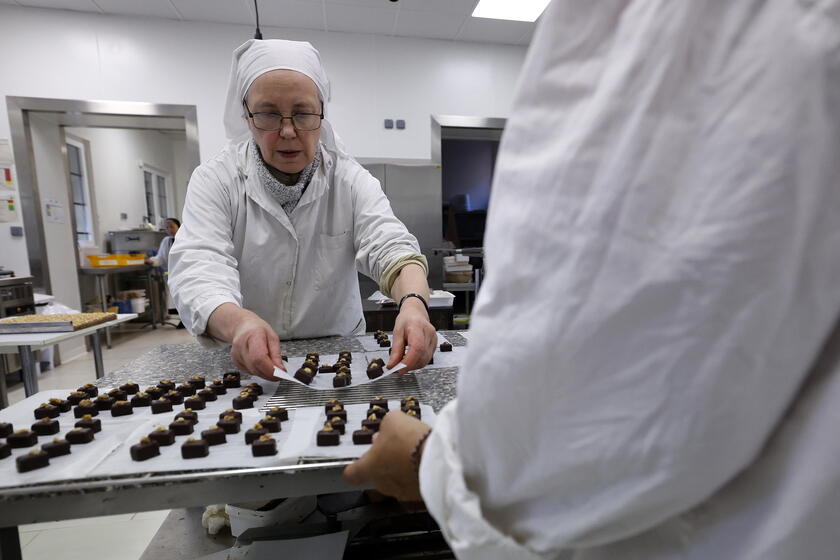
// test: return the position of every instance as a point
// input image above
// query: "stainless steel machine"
(134, 241)
(16, 296)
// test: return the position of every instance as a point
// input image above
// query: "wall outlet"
(123, 216)
(400, 124)
(17, 231)
(389, 123)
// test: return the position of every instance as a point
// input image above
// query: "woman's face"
(170, 227)
(285, 92)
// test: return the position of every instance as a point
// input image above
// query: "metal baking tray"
(394, 386)
(37, 327)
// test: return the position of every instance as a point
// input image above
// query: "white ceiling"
(437, 19)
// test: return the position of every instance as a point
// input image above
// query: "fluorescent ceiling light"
(516, 10)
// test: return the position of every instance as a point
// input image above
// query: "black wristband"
(418, 296)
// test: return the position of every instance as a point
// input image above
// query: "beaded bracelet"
(415, 455)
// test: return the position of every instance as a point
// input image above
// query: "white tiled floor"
(115, 537)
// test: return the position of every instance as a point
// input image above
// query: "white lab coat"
(298, 271)
(161, 259)
(648, 374)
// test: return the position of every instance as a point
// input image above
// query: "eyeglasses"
(274, 121)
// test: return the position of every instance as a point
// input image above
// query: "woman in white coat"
(275, 226)
(668, 386)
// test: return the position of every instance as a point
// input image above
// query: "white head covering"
(254, 58)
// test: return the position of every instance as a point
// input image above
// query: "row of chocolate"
(312, 366)
(262, 444)
(382, 338)
(336, 420)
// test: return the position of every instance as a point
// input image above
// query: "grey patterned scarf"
(287, 195)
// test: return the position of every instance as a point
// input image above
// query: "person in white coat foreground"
(653, 369)
(275, 226)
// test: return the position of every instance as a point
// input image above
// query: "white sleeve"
(455, 507)
(664, 247)
(203, 271)
(380, 239)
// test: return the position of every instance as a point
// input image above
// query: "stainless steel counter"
(115, 495)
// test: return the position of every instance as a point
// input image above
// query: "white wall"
(58, 237)
(71, 55)
(63, 54)
(13, 254)
(182, 173)
(115, 154)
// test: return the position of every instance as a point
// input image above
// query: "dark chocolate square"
(194, 449)
(79, 435)
(35, 459)
(56, 447)
(45, 427)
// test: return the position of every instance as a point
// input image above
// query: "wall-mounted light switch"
(17, 231)
(400, 124)
(389, 123)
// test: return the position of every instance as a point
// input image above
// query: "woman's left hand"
(387, 464)
(413, 329)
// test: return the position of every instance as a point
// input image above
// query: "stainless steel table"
(101, 275)
(24, 345)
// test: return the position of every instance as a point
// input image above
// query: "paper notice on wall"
(8, 204)
(54, 211)
(6, 160)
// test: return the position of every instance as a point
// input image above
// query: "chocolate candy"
(363, 436)
(85, 407)
(374, 370)
(22, 438)
(79, 435)
(154, 392)
(56, 447)
(271, 424)
(207, 395)
(166, 385)
(228, 424)
(5, 450)
(379, 401)
(332, 403)
(337, 411)
(327, 436)
(5, 429)
(230, 381)
(162, 436)
(376, 410)
(214, 435)
(195, 403)
(338, 424)
(189, 415)
(341, 380)
(141, 399)
(197, 381)
(88, 421)
(255, 433)
(45, 427)
(264, 446)
(118, 394)
(104, 402)
(195, 448)
(181, 427)
(175, 397)
(76, 397)
(445, 346)
(371, 423)
(90, 389)
(63, 405)
(278, 412)
(35, 459)
(244, 400)
(144, 450)
(231, 412)
(46, 410)
(122, 408)
(186, 389)
(161, 405)
(305, 375)
(218, 387)
(130, 388)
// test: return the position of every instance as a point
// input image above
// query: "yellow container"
(103, 261)
(131, 259)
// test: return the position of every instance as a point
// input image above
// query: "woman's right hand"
(255, 345)
(256, 348)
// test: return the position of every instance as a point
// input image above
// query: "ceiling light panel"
(520, 10)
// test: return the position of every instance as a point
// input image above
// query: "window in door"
(156, 187)
(81, 192)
